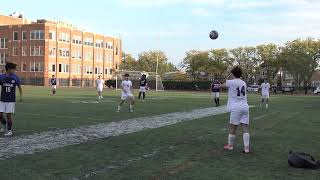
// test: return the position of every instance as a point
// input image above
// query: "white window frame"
(24, 51)
(34, 65)
(39, 50)
(3, 43)
(24, 63)
(3, 58)
(17, 32)
(39, 35)
(24, 37)
(53, 35)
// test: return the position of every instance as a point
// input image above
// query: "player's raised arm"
(224, 85)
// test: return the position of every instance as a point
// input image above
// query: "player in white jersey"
(126, 93)
(99, 84)
(265, 88)
(238, 107)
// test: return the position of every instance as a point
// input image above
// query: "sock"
(131, 106)
(9, 125)
(246, 139)
(215, 100)
(218, 100)
(119, 108)
(267, 105)
(231, 139)
(144, 95)
(139, 95)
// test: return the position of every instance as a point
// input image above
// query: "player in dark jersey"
(8, 82)
(53, 82)
(215, 89)
(143, 87)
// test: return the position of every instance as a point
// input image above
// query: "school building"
(44, 48)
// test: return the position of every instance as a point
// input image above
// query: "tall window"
(37, 35)
(99, 43)
(109, 45)
(76, 40)
(52, 67)
(36, 51)
(24, 51)
(15, 35)
(36, 66)
(76, 54)
(88, 41)
(24, 35)
(24, 67)
(64, 37)
(15, 51)
(88, 69)
(63, 68)
(3, 58)
(3, 43)
(52, 35)
(110, 71)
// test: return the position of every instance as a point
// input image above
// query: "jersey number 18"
(242, 91)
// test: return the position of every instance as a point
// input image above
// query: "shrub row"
(187, 85)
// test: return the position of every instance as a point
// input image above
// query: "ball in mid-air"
(214, 34)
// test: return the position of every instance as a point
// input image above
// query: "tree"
(129, 63)
(300, 58)
(219, 62)
(247, 59)
(269, 58)
(195, 62)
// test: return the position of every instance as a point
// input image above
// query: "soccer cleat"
(142, 100)
(246, 150)
(9, 133)
(228, 147)
(131, 110)
(267, 106)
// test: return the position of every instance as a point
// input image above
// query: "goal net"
(154, 80)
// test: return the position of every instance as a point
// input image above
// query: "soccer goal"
(154, 80)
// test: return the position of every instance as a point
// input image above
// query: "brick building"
(45, 48)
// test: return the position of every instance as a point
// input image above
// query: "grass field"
(186, 150)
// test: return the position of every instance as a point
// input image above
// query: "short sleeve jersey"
(265, 88)
(237, 94)
(99, 83)
(143, 82)
(8, 87)
(215, 86)
(53, 81)
(126, 85)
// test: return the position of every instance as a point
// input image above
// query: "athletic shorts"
(54, 87)
(125, 96)
(7, 107)
(265, 96)
(143, 89)
(99, 89)
(215, 94)
(239, 115)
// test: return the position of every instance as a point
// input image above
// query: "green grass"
(189, 150)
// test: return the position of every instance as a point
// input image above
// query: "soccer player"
(239, 108)
(99, 87)
(8, 82)
(215, 89)
(143, 87)
(126, 93)
(265, 88)
(53, 82)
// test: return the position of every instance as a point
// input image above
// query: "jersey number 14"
(242, 91)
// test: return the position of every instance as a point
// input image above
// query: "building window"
(3, 58)
(3, 43)
(52, 52)
(76, 54)
(64, 37)
(76, 40)
(88, 56)
(24, 35)
(99, 56)
(88, 42)
(63, 52)
(117, 51)
(63, 68)
(24, 51)
(36, 67)
(109, 45)
(110, 71)
(52, 67)
(88, 69)
(52, 35)
(15, 35)
(15, 51)
(36, 51)
(24, 67)
(37, 35)
(106, 71)
(99, 43)
(76, 69)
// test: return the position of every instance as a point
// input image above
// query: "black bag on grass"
(302, 160)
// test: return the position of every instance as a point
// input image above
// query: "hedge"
(187, 85)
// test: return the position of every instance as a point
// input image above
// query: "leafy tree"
(195, 62)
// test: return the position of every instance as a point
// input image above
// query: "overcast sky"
(175, 26)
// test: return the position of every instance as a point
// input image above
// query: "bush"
(187, 85)
(110, 83)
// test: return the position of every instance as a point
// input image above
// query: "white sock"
(231, 139)
(119, 108)
(246, 139)
(131, 106)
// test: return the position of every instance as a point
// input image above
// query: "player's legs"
(245, 129)
(267, 101)
(131, 103)
(54, 87)
(217, 95)
(100, 94)
(235, 116)
(3, 122)
(139, 97)
(143, 96)
(262, 101)
(9, 124)
(214, 98)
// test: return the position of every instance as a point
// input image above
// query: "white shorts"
(124, 96)
(239, 115)
(215, 94)
(99, 89)
(143, 89)
(265, 96)
(54, 87)
(7, 107)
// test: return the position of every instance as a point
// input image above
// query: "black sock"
(9, 125)
(144, 95)
(218, 100)
(215, 100)
(139, 95)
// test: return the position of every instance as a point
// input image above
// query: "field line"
(49, 140)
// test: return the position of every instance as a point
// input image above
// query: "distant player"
(215, 89)
(239, 108)
(143, 87)
(8, 82)
(265, 88)
(126, 93)
(100, 87)
(53, 82)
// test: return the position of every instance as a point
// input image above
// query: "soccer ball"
(214, 34)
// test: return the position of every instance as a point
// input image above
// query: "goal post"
(154, 80)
